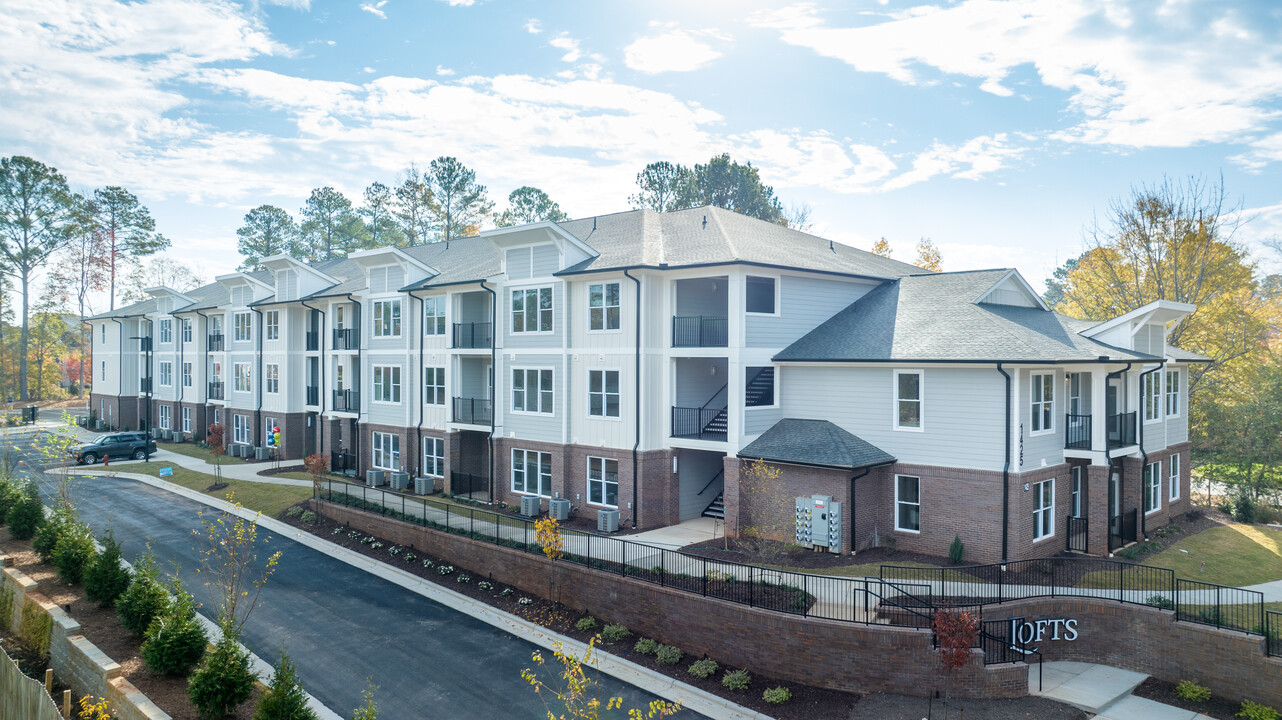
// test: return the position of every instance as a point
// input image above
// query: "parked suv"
(117, 445)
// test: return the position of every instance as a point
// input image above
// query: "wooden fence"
(22, 697)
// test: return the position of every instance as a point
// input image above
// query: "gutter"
(360, 376)
(1143, 452)
(727, 264)
(422, 330)
(320, 390)
(207, 380)
(120, 365)
(1006, 469)
(1108, 455)
(258, 411)
(494, 401)
(636, 400)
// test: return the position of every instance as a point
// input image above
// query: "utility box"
(819, 522)
(530, 505)
(607, 521)
(559, 509)
(375, 478)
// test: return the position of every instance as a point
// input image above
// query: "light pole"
(146, 437)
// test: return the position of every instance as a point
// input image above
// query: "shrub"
(144, 599)
(284, 698)
(27, 513)
(736, 680)
(10, 494)
(1268, 515)
(74, 553)
(668, 655)
(1256, 711)
(1225, 506)
(586, 624)
(1195, 513)
(646, 646)
(48, 533)
(1244, 509)
(615, 633)
(703, 669)
(106, 578)
(777, 695)
(223, 680)
(1160, 601)
(954, 557)
(1190, 690)
(308, 518)
(294, 511)
(175, 640)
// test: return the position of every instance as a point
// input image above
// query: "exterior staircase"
(760, 388)
(718, 425)
(716, 509)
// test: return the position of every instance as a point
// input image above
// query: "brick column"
(730, 488)
(1097, 509)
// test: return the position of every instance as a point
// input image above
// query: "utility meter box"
(819, 522)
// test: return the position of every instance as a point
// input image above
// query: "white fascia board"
(1164, 311)
(503, 237)
(1028, 289)
(285, 262)
(366, 258)
(161, 290)
(231, 279)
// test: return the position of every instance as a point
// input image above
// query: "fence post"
(1218, 611)
(805, 588)
(752, 590)
(1120, 575)
(403, 514)
(623, 570)
(705, 579)
(447, 518)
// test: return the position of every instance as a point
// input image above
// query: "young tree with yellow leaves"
(881, 247)
(572, 688)
(928, 257)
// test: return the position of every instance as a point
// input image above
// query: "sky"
(999, 129)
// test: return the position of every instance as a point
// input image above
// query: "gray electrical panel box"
(819, 522)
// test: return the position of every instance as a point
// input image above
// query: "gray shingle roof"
(467, 259)
(935, 317)
(817, 443)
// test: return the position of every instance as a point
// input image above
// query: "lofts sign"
(1024, 633)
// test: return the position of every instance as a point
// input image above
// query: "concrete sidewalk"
(1103, 691)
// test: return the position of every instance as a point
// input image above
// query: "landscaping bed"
(899, 707)
(1164, 692)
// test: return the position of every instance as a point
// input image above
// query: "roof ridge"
(734, 251)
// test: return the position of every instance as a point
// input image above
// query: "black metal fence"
(470, 484)
(473, 335)
(346, 339)
(214, 342)
(1122, 529)
(216, 390)
(699, 331)
(1219, 606)
(313, 340)
(347, 401)
(474, 411)
(341, 462)
(1077, 432)
(691, 422)
(1076, 534)
(1273, 632)
(1121, 430)
(313, 395)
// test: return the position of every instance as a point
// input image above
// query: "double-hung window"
(271, 377)
(1043, 509)
(244, 377)
(166, 331)
(217, 372)
(166, 373)
(603, 481)
(532, 310)
(434, 386)
(1151, 389)
(186, 374)
(907, 503)
(241, 325)
(387, 383)
(186, 330)
(186, 419)
(1152, 486)
(908, 399)
(434, 316)
(165, 417)
(1172, 393)
(240, 429)
(1077, 491)
(1043, 402)
(603, 393)
(271, 324)
(760, 295)
(387, 450)
(532, 472)
(387, 318)
(433, 457)
(532, 390)
(603, 306)
(104, 333)
(1173, 481)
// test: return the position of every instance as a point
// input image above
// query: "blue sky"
(998, 129)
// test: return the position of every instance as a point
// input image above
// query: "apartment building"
(638, 361)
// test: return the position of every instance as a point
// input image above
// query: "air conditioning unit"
(400, 481)
(607, 521)
(559, 509)
(530, 505)
(263, 453)
(424, 485)
(375, 478)
(234, 450)
(167, 434)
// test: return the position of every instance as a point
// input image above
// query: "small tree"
(955, 633)
(769, 514)
(573, 689)
(547, 533)
(74, 552)
(368, 711)
(175, 640)
(284, 698)
(230, 565)
(214, 438)
(145, 597)
(26, 515)
(107, 578)
(224, 680)
(928, 256)
(317, 465)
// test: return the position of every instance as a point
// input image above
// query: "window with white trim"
(1073, 383)
(532, 390)
(759, 295)
(165, 417)
(603, 393)
(1044, 509)
(603, 481)
(166, 373)
(433, 457)
(1172, 393)
(166, 331)
(218, 372)
(532, 472)
(1043, 402)
(244, 377)
(187, 374)
(1151, 391)
(240, 429)
(186, 330)
(216, 416)
(387, 450)
(271, 324)
(908, 399)
(434, 386)
(1173, 481)
(1152, 486)
(387, 318)
(532, 310)
(603, 306)
(186, 419)
(387, 383)
(104, 333)
(1077, 491)
(434, 316)
(907, 503)
(242, 324)
(271, 378)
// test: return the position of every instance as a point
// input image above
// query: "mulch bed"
(807, 702)
(102, 628)
(1164, 692)
(898, 707)
(283, 469)
(776, 553)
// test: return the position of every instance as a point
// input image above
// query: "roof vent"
(705, 222)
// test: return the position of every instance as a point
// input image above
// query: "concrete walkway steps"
(1103, 691)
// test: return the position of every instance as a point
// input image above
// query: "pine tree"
(175, 640)
(284, 698)
(107, 579)
(224, 680)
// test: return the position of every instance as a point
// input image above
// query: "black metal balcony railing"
(347, 401)
(144, 344)
(699, 331)
(342, 462)
(702, 423)
(216, 391)
(1077, 432)
(144, 385)
(1121, 430)
(346, 339)
(313, 340)
(1077, 533)
(473, 335)
(474, 411)
(313, 395)
(215, 343)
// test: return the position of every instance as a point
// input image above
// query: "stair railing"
(710, 482)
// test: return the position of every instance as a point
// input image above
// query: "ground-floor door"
(309, 436)
(700, 477)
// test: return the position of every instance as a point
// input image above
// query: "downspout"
(258, 411)
(422, 330)
(1108, 455)
(494, 402)
(206, 374)
(181, 387)
(320, 380)
(120, 366)
(636, 399)
(360, 376)
(1143, 453)
(1006, 469)
(854, 508)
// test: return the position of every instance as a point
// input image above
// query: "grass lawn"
(195, 451)
(270, 500)
(1226, 555)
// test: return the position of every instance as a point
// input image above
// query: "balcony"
(473, 411)
(144, 344)
(216, 391)
(1121, 430)
(699, 423)
(1077, 432)
(313, 340)
(347, 339)
(144, 385)
(313, 395)
(215, 342)
(699, 331)
(347, 401)
(473, 335)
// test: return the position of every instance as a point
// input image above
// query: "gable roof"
(816, 443)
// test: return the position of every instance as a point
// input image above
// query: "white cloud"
(533, 26)
(443, 71)
(368, 70)
(969, 161)
(569, 45)
(375, 9)
(460, 3)
(673, 50)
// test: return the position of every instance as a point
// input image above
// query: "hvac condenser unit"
(375, 478)
(819, 522)
(262, 453)
(559, 509)
(424, 485)
(400, 480)
(530, 505)
(607, 521)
